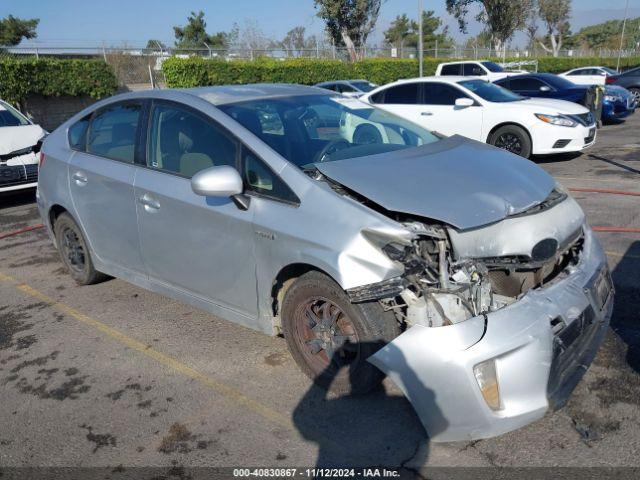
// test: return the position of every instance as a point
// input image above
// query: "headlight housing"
(487, 379)
(559, 120)
(612, 98)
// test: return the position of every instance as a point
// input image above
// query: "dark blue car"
(615, 105)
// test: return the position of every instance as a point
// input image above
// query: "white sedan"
(589, 75)
(486, 112)
(19, 146)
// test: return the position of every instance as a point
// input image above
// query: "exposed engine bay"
(440, 288)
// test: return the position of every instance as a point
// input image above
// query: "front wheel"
(331, 338)
(512, 139)
(636, 93)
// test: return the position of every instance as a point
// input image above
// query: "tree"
(194, 34)
(13, 30)
(555, 15)
(404, 32)
(531, 26)
(294, 41)
(154, 45)
(501, 17)
(349, 22)
(605, 35)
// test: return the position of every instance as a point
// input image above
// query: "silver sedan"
(464, 273)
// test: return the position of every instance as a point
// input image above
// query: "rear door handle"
(149, 202)
(426, 114)
(79, 178)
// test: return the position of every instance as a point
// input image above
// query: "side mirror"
(464, 102)
(222, 181)
(544, 88)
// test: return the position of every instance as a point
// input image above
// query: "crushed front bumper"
(541, 345)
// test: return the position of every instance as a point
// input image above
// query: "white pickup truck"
(484, 69)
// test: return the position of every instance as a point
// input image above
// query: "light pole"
(624, 24)
(420, 39)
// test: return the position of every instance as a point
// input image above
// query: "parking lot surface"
(111, 375)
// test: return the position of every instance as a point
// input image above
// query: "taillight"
(609, 80)
(41, 160)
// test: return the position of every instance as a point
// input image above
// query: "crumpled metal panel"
(458, 181)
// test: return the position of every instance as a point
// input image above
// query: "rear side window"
(112, 132)
(526, 84)
(450, 69)
(184, 142)
(78, 134)
(406, 93)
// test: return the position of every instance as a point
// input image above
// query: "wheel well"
(54, 212)
(505, 124)
(283, 281)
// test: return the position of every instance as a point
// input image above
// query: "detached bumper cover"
(542, 345)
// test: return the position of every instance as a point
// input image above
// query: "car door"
(101, 177)
(440, 113)
(402, 99)
(201, 246)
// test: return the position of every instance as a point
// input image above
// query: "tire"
(366, 328)
(636, 93)
(513, 139)
(74, 252)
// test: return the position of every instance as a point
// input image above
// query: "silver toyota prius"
(375, 247)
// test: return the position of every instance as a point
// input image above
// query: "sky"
(91, 22)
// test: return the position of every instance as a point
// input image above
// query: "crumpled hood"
(457, 181)
(17, 138)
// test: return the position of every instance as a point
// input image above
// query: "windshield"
(490, 91)
(363, 86)
(307, 129)
(493, 67)
(10, 117)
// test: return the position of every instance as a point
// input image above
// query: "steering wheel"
(330, 148)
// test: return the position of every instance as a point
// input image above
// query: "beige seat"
(192, 162)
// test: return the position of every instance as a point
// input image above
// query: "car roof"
(340, 82)
(225, 94)
(435, 78)
(464, 61)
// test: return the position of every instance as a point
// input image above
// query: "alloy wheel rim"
(325, 335)
(509, 142)
(73, 249)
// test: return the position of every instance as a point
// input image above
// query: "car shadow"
(614, 163)
(555, 158)
(624, 321)
(17, 198)
(376, 429)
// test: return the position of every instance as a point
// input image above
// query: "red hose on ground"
(23, 230)
(605, 190)
(616, 229)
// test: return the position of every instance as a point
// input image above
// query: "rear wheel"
(513, 139)
(330, 338)
(74, 252)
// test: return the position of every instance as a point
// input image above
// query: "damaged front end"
(483, 311)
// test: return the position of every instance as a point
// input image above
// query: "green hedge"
(52, 78)
(197, 71)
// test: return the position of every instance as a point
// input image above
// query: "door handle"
(149, 202)
(426, 114)
(79, 178)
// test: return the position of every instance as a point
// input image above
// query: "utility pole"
(420, 38)
(624, 24)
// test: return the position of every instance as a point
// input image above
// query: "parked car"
(349, 88)
(629, 80)
(483, 69)
(589, 75)
(465, 273)
(618, 103)
(19, 145)
(548, 85)
(486, 112)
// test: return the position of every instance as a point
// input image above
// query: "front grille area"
(13, 175)
(585, 119)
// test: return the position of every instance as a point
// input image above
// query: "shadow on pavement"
(376, 429)
(626, 310)
(18, 198)
(558, 157)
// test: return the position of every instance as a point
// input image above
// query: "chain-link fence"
(139, 68)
